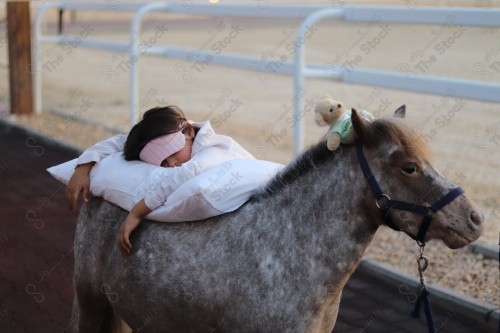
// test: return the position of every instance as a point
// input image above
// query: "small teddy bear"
(329, 112)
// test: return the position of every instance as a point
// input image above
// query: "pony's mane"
(397, 131)
(391, 128)
(314, 156)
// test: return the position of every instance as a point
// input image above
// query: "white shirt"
(209, 149)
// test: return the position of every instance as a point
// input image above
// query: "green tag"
(343, 127)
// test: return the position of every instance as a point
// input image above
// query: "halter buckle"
(429, 212)
(385, 198)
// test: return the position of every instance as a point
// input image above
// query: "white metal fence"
(298, 68)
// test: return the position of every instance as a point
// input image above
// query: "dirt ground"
(92, 87)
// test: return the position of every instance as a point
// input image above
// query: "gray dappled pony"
(277, 264)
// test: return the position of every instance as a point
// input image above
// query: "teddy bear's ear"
(361, 127)
(400, 112)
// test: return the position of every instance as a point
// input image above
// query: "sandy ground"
(256, 109)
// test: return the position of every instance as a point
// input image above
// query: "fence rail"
(298, 68)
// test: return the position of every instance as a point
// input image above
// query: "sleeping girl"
(163, 138)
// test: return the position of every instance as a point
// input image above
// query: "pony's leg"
(75, 315)
(329, 315)
(114, 324)
(120, 325)
(94, 312)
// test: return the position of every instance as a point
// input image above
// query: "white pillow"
(220, 189)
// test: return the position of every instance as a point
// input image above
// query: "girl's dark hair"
(155, 122)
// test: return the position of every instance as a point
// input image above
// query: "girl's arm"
(79, 181)
(164, 181)
(131, 222)
(103, 148)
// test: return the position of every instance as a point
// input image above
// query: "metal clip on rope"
(423, 263)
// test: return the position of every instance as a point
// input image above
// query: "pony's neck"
(324, 214)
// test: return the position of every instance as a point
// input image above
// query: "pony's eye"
(409, 169)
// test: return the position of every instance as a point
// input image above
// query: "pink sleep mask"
(162, 147)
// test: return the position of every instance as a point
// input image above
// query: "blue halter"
(385, 204)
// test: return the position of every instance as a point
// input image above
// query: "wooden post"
(19, 36)
(60, 28)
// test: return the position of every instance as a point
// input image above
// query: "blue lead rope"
(423, 262)
(424, 293)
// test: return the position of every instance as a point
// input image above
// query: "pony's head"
(400, 161)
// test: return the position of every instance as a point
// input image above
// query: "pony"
(278, 263)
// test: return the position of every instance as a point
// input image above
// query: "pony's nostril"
(476, 217)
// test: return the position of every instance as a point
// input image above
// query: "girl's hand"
(79, 182)
(130, 223)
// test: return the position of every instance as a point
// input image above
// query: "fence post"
(20, 75)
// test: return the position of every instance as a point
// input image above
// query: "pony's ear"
(361, 126)
(400, 112)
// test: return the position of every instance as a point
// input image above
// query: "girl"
(164, 138)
